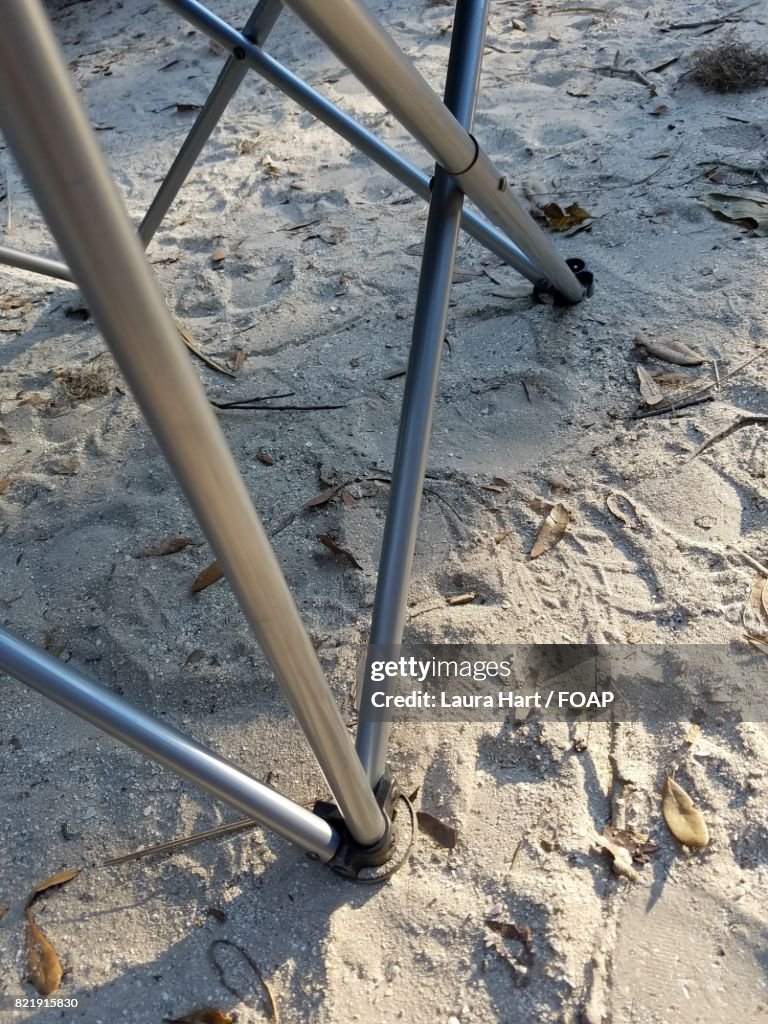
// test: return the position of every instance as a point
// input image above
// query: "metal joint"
(543, 288)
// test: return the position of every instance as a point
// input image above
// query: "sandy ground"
(537, 396)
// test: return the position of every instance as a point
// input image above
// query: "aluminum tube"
(101, 707)
(257, 28)
(48, 132)
(421, 381)
(363, 140)
(349, 29)
(37, 264)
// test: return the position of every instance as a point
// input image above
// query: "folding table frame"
(47, 130)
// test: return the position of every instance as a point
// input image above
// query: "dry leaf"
(186, 108)
(685, 823)
(171, 546)
(457, 599)
(34, 400)
(43, 964)
(560, 220)
(518, 25)
(621, 507)
(399, 372)
(670, 350)
(218, 255)
(236, 360)
(443, 834)
(498, 484)
(638, 844)
(206, 1015)
(66, 467)
(661, 109)
(5, 437)
(5, 483)
(509, 930)
(764, 598)
(323, 497)
(552, 530)
(622, 858)
(460, 275)
(211, 574)
(693, 734)
(189, 341)
(264, 457)
(750, 209)
(650, 391)
(347, 498)
(502, 535)
(758, 598)
(331, 544)
(60, 878)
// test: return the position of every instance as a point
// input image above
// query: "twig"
(745, 421)
(257, 405)
(693, 398)
(658, 410)
(177, 844)
(749, 560)
(633, 73)
(709, 21)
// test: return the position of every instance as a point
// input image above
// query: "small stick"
(177, 844)
(749, 560)
(690, 400)
(745, 421)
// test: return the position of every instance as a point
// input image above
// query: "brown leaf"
(43, 964)
(186, 108)
(685, 822)
(764, 598)
(5, 483)
(206, 1015)
(622, 858)
(498, 485)
(170, 546)
(693, 734)
(561, 220)
(5, 437)
(552, 530)
(457, 599)
(509, 930)
(661, 109)
(236, 360)
(649, 390)
(348, 498)
(264, 457)
(211, 574)
(638, 844)
(393, 374)
(60, 878)
(189, 341)
(502, 535)
(757, 596)
(331, 544)
(34, 400)
(323, 497)
(443, 834)
(670, 350)
(218, 255)
(621, 507)
(460, 275)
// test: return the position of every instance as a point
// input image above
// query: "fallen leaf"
(460, 275)
(457, 599)
(5, 437)
(236, 360)
(347, 498)
(211, 574)
(661, 109)
(509, 930)
(34, 400)
(170, 546)
(331, 544)
(270, 168)
(621, 507)
(670, 350)
(638, 844)
(206, 1015)
(750, 209)
(323, 497)
(502, 535)
(218, 255)
(693, 734)
(764, 598)
(560, 220)
(673, 380)
(185, 108)
(65, 467)
(685, 822)
(264, 458)
(650, 391)
(621, 857)
(552, 530)
(60, 878)
(189, 341)
(518, 25)
(444, 835)
(44, 969)
(399, 372)
(498, 485)
(5, 483)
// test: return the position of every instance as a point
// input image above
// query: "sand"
(540, 397)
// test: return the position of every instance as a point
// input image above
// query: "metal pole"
(363, 140)
(421, 382)
(257, 29)
(49, 134)
(191, 760)
(349, 29)
(37, 264)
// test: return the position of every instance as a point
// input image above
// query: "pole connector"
(545, 288)
(371, 863)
